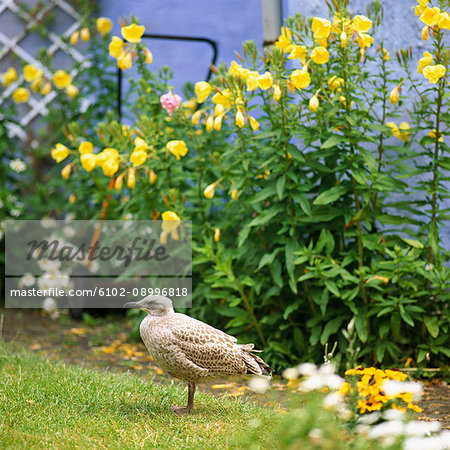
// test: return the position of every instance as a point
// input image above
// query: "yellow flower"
(85, 34)
(430, 16)
(320, 55)
(74, 37)
(71, 90)
(209, 191)
(364, 40)
(240, 119)
(386, 55)
(196, 117)
(314, 103)
(420, 7)
(115, 47)
(47, 88)
(124, 61)
(401, 132)
(163, 237)
(394, 96)
(72, 198)
(253, 123)
(216, 234)
(209, 124)
(65, 173)
(276, 92)
(335, 83)
(425, 32)
(284, 41)
(298, 51)
(133, 33)
(218, 123)
(177, 148)
(300, 78)
(60, 152)
(170, 221)
(361, 24)
(21, 95)
(265, 81)
(222, 98)
(61, 79)
(140, 144)
(31, 73)
(88, 161)
(343, 39)
(251, 82)
(152, 177)
(138, 157)
(434, 73)
(104, 25)
(86, 147)
(131, 179)
(148, 56)
(321, 28)
(444, 21)
(219, 110)
(36, 85)
(432, 134)
(202, 90)
(118, 184)
(9, 76)
(424, 62)
(234, 194)
(110, 167)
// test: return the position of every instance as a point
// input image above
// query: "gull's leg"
(183, 411)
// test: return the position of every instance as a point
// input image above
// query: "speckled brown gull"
(191, 350)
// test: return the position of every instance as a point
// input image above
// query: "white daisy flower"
(17, 165)
(27, 280)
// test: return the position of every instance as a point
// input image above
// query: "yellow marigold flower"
(209, 191)
(320, 55)
(133, 33)
(364, 40)
(71, 90)
(85, 34)
(335, 83)
(434, 73)
(300, 78)
(298, 51)
(251, 81)
(86, 147)
(47, 88)
(152, 177)
(196, 117)
(31, 73)
(202, 90)
(148, 56)
(209, 124)
(276, 92)
(72, 198)
(216, 234)
(115, 46)
(265, 81)
(430, 16)
(170, 221)
(284, 41)
(361, 24)
(240, 119)
(110, 167)
(61, 79)
(222, 98)
(394, 96)
(234, 194)
(425, 32)
(218, 123)
(124, 61)
(131, 178)
(65, 173)
(177, 148)
(343, 39)
(118, 184)
(321, 28)
(424, 62)
(9, 76)
(74, 37)
(21, 95)
(140, 144)
(432, 134)
(444, 21)
(313, 103)
(138, 157)
(104, 25)
(88, 161)
(253, 123)
(59, 152)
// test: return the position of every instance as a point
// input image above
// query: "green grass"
(50, 404)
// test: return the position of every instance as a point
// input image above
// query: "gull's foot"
(181, 410)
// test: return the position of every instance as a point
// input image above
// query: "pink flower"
(170, 102)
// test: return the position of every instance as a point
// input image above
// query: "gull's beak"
(131, 305)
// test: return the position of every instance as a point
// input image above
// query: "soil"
(104, 343)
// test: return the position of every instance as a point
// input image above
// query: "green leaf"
(361, 327)
(412, 242)
(330, 195)
(431, 324)
(332, 141)
(303, 201)
(280, 186)
(268, 258)
(330, 328)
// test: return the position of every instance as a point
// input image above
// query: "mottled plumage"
(191, 350)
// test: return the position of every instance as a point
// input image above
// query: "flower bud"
(240, 120)
(209, 191)
(209, 123)
(196, 117)
(163, 238)
(253, 123)
(276, 92)
(218, 123)
(234, 194)
(65, 173)
(85, 34)
(152, 177)
(118, 183)
(394, 96)
(74, 37)
(216, 234)
(131, 180)
(313, 103)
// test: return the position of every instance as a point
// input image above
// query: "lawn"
(51, 404)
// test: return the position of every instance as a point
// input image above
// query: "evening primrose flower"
(222, 98)
(85, 147)
(9, 76)
(425, 32)
(320, 55)
(110, 167)
(335, 83)
(361, 24)
(171, 221)
(434, 73)
(85, 34)
(314, 103)
(131, 178)
(394, 96)
(300, 78)
(138, 157)
(31, 73)
(177, 148)
(424, 62)
(115, 47)
(88, 161)
(202, 90)
(364, 40)
(418, 10)
(104, 25)
(444, 21)
(133, 33)
(21, 95)
(265, 81)
(71, 90)
(298, 51)
(61, 79)
(59, 152)
(251, 82)
(124, 61)
(209, 191)
(240, 119)
(321, 28)
(253, 123)
(209, 124)
(432, 134)
(284, 41)
(430, 16)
